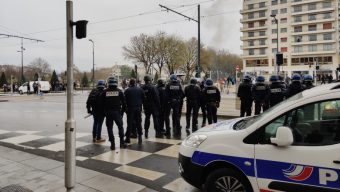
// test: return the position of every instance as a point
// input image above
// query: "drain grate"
(14, 188)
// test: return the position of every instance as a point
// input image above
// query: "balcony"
(318, 30)
(317, 20)
(312, 42)
(317, 10)
(316, 52)
(243, 38)
(243, 20)
(294, 3)
(256, 27)
(255, 9)
(256, 46)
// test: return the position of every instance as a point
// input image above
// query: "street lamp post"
(92, 61)
(22, 49)
(277, 41)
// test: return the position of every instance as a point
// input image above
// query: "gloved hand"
(89, 111)
(217, 104)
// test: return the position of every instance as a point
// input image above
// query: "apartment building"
(307, 33)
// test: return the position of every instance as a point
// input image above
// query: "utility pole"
(92, 61)
(198, 21)
(22, 49)
(70, 124)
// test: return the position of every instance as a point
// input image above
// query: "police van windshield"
(244, 123)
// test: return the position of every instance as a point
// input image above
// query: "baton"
(88, 115)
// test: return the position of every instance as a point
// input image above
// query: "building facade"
(306, 32)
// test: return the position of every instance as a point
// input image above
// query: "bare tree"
(174, 54)
(189, 58)
(40, 66)
(142, 49)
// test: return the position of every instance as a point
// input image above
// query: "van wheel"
(226, 180)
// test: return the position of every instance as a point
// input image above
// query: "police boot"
(159, 134)
(140, 139)
(167, 133)
(113, 146)
(127, 140)
(123, 145)
(146, 134)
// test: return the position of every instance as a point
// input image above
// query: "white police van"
(294, 146)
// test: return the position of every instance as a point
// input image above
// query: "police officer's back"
(174, 94)
(193, 94)
(134, 97)
(114, 102)
(211, 98)
(151, 106)
(277, 91)
(260, 93)
(295, 86)
(163, 103)
(244, 93)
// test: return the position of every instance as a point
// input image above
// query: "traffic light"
(81, 29)
(317, 67)
(279, 58)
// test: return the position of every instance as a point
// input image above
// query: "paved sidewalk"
(34, 173)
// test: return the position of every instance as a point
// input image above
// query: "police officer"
(95, 106)
(295, 86)
(134, 100)
(114, 103)
(211, 98)
(174, 94)
(307, 82)
(202, 105)
(277, 91)
(151, 107)
(244, 93)
(163, 103)
(282, 82)
(260, 92)
(192, 93)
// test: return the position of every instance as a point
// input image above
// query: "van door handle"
(336, 161)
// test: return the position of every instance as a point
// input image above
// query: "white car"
(44, 87)
(294, 146)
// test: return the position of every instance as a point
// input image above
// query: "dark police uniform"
(202, 105)
(294, 88)
(151, 107)
(260, 93)
(174, 94)
(211, 98)
(134, 100)
(163, 105)
(95, 106)
(277, 93)
(244, 93)
(114, 103)
(192, 93)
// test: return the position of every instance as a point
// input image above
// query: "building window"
(298, 29)
(327, 4)
(262, 23)
(274, 2)
(298, 49)
(262, 14)
(251, 51)
(274, 40)
(312, 37)
(284, 10)
(262, 4)
(251, 43)
(283, 1)
(311, 27)
(298, 39)
(274, 31)
(297, 19)
(274, 12)
(250, 15)
(312, 17)
(284, 49)
(262, 33)
(312, 48)
(251, 6)
(327, 47)
(297, 9)
(262, 41)
(311, 6)
(251, 25)
(274, 50)
(283, 20)
(262, 51)
(327, 15)
(283, 30)
(327, 36)
(250, 34)
(284, 39)
(327, 26)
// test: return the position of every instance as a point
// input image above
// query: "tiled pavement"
(152, 164)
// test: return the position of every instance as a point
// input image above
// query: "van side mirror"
(284, 137)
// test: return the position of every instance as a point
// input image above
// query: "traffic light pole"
(70, 124)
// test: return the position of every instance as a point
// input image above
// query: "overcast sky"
(45, 20)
